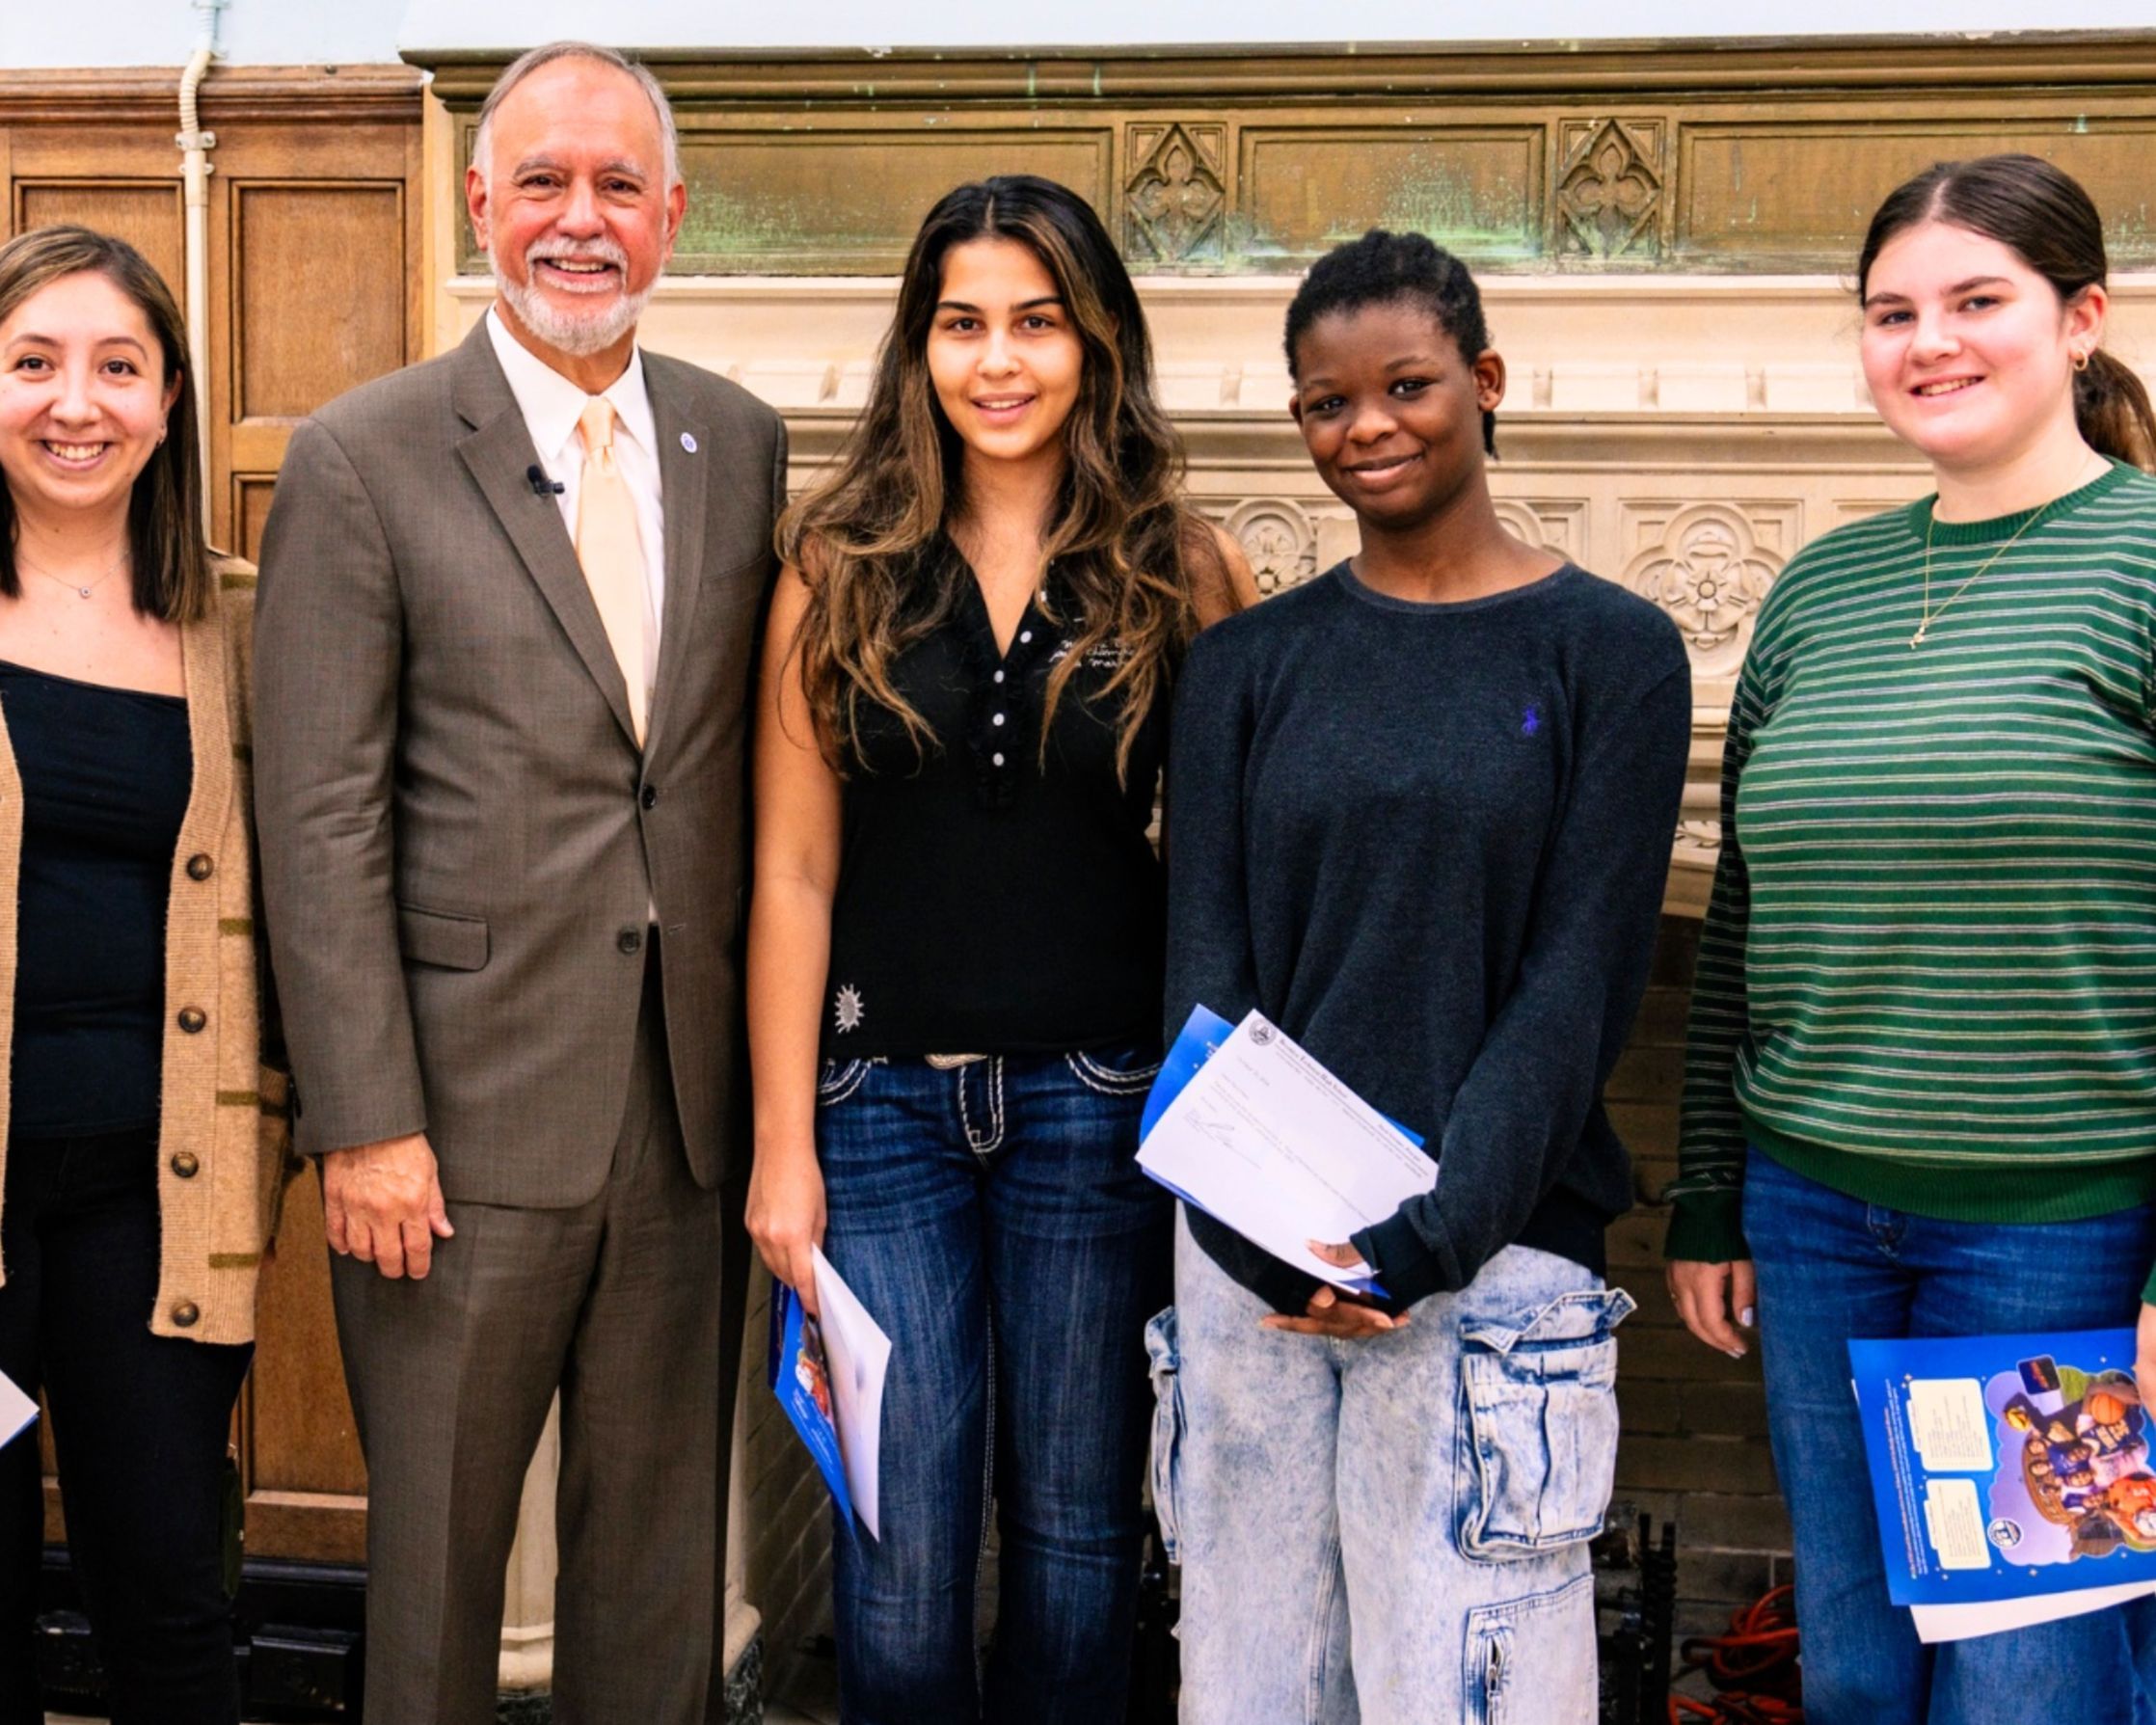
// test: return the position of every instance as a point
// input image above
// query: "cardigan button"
(192, 1019)
(200, 866)
(186, 1164)
(630, 941)
(187, 1314)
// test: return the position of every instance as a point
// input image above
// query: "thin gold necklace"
(76, 587)
(1927, 616)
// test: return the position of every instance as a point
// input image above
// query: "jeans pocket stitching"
(846, 1078)
(1106, 1080)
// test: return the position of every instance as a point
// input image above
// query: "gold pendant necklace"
(1927, 616)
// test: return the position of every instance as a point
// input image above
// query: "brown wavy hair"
(165, 540)
(1126, 545)
(2039, 213)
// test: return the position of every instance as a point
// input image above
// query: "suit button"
(187, 1314)
(630, 941)
(192, 1019)
(200, 866)
(185, 1165)
(650, 797)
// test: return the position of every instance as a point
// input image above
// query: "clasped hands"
(382, 1204)
(1334, 1311)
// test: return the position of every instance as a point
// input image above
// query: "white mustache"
(601, 251)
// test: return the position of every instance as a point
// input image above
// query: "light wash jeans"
(1390, 1529)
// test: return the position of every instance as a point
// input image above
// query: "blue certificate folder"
(2007, 1466)
(1204, 1032)
(801, 1380)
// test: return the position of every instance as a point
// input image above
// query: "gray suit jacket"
(461, 841)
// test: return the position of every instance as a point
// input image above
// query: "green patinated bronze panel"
(1740, 159)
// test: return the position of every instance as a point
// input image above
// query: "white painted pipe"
(195, 145)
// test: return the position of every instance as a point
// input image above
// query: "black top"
(1430, 843)
(106, 774)
(990, 903)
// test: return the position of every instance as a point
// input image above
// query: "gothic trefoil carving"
(1609, 190)
(1176, 201)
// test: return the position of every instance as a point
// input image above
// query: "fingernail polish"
(1747, 1317)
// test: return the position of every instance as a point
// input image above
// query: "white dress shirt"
(551, 405)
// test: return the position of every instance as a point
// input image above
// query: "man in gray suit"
(508, 609)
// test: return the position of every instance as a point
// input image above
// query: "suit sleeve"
(329, 634)
(1517, 1118)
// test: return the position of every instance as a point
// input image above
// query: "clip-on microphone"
(541, 485)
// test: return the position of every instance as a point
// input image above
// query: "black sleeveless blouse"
(990, 901)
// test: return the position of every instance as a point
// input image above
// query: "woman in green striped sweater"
(1921, 1086)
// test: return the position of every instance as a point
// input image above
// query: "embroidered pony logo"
(1530, 721)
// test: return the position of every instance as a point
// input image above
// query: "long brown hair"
(170, 556)
(2039, 213)
(1126, 545)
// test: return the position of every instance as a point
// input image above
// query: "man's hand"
(1334, 1311)
(786, 1216)
(1707, 1296)
(2145, 1355)
(382, 1204)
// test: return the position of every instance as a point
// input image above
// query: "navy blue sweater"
(1430, 843)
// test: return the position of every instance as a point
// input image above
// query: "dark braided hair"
(1384, 269)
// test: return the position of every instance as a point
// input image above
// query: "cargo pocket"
(1555, 1631)
(1540, 1432)
(1167, 1428)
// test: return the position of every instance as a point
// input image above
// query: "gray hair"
(545, 54)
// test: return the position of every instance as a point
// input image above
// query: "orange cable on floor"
(1753, 1669)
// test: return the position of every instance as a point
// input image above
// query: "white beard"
(569, 332)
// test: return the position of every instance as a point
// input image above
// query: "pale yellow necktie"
(609, 548)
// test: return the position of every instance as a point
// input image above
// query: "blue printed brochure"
(828, 1375)
(801, 1380)
(2011, 1476)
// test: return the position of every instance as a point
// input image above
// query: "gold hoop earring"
(2081, 361)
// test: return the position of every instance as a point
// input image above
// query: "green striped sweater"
(1928, 976)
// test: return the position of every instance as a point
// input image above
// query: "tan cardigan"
(223, 1145)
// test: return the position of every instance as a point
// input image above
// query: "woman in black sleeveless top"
(954, 948)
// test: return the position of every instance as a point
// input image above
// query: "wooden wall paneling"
(317, 271)
(299, 1443)
(149, 215)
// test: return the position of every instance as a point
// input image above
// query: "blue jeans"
(1831, 1268)
(993, 1220)
(1390, 1530)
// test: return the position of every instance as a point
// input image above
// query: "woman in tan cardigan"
(141, 1140)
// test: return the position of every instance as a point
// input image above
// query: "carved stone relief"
(1610, 189)
(1175, 200)
(1710, 565)
(1556, 524)
(1279, 539)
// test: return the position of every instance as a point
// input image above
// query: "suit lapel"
(499, 453)
(684, 457)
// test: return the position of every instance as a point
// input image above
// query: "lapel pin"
(689, 442)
